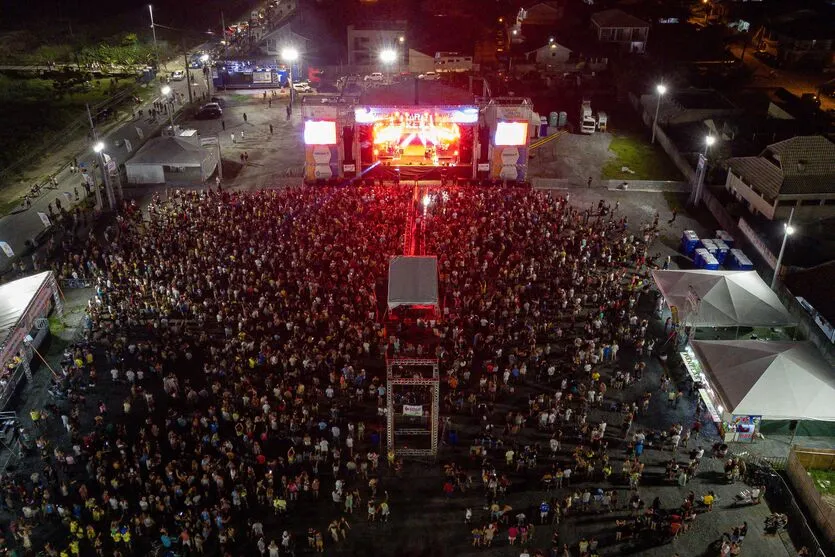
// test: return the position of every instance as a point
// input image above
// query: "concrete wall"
(672, 151)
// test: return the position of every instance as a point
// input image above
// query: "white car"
(178, 75)
(302, 87)
(375, 76)
(429, 76)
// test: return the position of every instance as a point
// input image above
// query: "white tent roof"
(413, 281)
(15, 297)
(170, 150)
(775, 380)
(728, 298)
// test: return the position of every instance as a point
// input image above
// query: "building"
(366, 41)
(797, 172)
(617, 26)
(544, 13)
(551, 57)
(420, 63)
(801, 39)
(285, 36)
(453, 62)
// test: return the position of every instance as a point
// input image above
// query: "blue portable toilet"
(722, 250)
(689, 242)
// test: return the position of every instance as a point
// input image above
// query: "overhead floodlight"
(710, 140)
(98, 147)
(166, 90)
(388, 56)
(661, 88)
(289, 54)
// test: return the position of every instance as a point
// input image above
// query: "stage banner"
(412, 410)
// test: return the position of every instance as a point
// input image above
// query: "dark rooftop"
(427, 93)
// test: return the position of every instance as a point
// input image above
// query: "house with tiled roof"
(797, 172)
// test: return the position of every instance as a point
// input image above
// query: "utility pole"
(95, 140)
(154, 32)
(188, 77)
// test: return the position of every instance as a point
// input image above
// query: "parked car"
(209, 111)
(375, 76)
(429, 76)
(302, 87)
(178, 75)
(218, 101)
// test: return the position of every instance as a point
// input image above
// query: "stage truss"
(417, 375)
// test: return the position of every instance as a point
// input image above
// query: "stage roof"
(727, 298)
(413, 281)
(15, 297)
(775, 380)
(416, 92)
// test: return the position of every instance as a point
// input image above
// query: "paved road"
(25, 224)
(793, 81)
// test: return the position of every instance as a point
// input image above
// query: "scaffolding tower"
(412, 421)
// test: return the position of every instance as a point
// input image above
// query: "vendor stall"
(746, 381)
(24, 305)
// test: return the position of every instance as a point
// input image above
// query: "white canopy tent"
(775, 380)
(413, 281)
(722, 298)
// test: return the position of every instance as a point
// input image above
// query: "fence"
(780, 499)
(822, 513)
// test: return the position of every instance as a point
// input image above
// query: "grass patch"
(648, 162)
(56, 325)
(824, 480)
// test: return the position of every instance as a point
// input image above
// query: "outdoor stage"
(417, 130)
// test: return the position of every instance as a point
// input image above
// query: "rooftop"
(617, 18)
(803, 164)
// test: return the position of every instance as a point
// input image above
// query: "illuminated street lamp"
(169, 103)
(788, 231)
(290, 55)
(660, 89)
(402, 39)
(98, 148)
(709, 141)
(388, 56)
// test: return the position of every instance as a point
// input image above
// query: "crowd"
(242, 339)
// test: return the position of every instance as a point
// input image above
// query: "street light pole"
(788, 232)
(660, 89)
(166, 91)
(290, 55)
(99, 149)
(154, 32)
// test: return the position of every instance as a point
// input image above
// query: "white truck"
(588, 124)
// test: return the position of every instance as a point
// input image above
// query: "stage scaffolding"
(412, 372)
